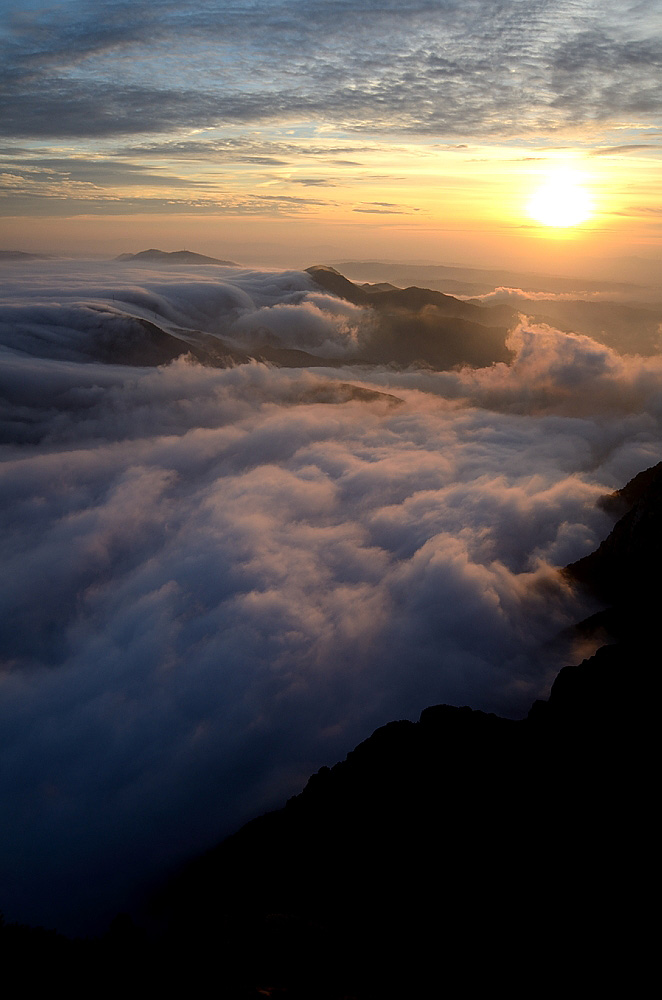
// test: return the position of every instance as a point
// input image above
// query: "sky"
(297, 131)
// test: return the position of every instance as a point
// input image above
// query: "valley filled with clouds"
(223, 570)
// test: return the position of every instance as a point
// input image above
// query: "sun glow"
(561, 201)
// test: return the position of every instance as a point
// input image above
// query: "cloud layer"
(217, 580)
(440, 68)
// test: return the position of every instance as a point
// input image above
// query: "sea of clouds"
(218, 579)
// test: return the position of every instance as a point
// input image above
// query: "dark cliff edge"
(460, 853)
(624, 571)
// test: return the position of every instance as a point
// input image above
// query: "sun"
(561, 201)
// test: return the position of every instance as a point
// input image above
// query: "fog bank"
(218, 579)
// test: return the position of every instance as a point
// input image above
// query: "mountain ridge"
(153, 256)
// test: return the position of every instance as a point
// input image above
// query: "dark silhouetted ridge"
(624, 571)
(333, 281)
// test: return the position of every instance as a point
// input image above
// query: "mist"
(219, 577)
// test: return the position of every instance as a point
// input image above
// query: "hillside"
(414, 326)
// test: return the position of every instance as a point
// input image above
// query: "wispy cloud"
(632, 147)
(380, 211)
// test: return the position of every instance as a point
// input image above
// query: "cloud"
(446, 69)
(632, 328)
(311, 181)
(238, 148)
(152, 322)
(216, 580)
(504, 293)
(264, 84)
(619, 150)
(381, 211)
(321, 325)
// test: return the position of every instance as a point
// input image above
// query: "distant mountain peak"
(22, 255)
(174, 257)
